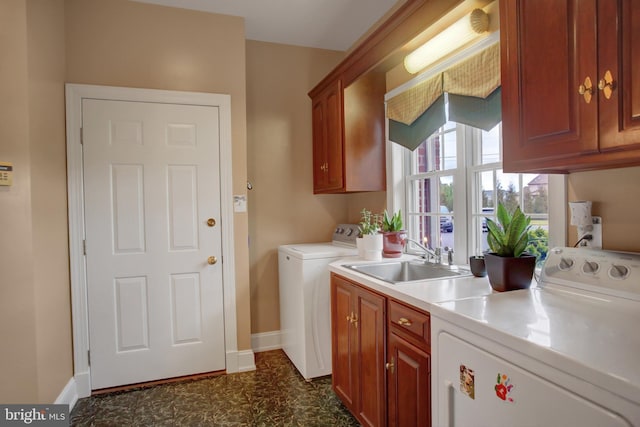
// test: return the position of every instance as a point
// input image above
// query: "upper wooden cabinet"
(348, 136)
(561, 112)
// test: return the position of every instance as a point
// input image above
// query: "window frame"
(399, 165)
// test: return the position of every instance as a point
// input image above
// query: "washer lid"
(318, 250)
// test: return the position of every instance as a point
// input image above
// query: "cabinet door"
(371, 344)
(335, 137)
(409, 379)
(318, 108)
(548, 51)
(619, 55)
(328, 137)
(343, 342)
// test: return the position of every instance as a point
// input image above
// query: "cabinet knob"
(390, 365)
(586, 89)
(353, 319)
(606, 84)
(404, 321)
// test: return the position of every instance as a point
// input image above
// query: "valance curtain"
(474, 97)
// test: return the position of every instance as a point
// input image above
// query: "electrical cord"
(587, 237)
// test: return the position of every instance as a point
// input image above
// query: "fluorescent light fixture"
(462, 32)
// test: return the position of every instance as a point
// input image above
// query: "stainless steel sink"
(408, 271)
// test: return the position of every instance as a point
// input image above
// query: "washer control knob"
(618, 271)
(590, 267)
(565, 264)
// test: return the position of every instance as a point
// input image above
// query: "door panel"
(151, 182)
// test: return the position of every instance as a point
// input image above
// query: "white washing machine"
(564, 353)
(305, 299)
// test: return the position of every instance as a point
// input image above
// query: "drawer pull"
(404, 321)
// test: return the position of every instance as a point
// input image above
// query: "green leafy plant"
(392, 223)
(370, 223)
(509, 237)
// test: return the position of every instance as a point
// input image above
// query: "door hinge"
(84, 247)
(89, 357)
(81, 136)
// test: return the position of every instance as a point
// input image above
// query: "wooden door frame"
(79, 307)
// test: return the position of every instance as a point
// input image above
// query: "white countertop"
(421, 294)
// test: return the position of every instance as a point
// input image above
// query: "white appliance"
(564, 353)
(305, 299)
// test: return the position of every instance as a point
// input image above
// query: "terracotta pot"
(393, 243)
(508, 273)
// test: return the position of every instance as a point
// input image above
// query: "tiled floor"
(273, 395)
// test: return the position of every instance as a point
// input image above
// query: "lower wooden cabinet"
(358, 340)
(409, 384)
(382, 381)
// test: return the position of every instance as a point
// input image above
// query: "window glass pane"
(420, 158)
(490, 147)
(425, 231)
(421, 193)
(535, 191)
(508, 190)
(446, 212)
(447, 158)
(487, 198)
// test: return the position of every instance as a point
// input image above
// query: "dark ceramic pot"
(508, 273)
(393, 243)
(476, 263)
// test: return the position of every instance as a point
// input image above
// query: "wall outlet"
(596, 232)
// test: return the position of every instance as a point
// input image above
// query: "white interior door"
(151, 183)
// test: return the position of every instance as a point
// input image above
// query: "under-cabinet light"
(451, 39)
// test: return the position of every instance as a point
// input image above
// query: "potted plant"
(371, 243)
(508, 266)
(393, 236)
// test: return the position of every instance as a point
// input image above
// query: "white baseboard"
(246, 361)
(240, 361)
(266, 341)
(68, 395)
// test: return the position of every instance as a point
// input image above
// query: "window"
(454, 180)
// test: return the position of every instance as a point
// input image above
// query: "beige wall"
(616, 198)
(35, 321)
(124, 43)
(18, 353)
(46, 56)
(282, 207)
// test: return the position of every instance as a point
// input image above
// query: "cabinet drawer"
(410, 323)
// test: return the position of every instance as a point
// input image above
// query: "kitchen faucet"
(428, 254)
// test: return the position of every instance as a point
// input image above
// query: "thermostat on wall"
(6, 173)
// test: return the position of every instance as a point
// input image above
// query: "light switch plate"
(239, 203)
(6, 173)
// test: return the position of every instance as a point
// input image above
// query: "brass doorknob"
(211, 222)
(212, 260)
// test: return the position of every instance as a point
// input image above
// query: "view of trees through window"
(458, 158)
